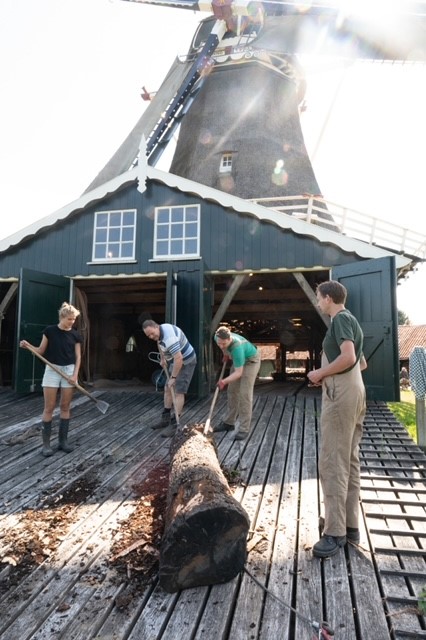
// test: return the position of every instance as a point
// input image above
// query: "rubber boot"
(45, 432)
(63, 435)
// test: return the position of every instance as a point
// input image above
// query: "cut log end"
(207, 547)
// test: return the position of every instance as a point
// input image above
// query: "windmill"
(238, 93)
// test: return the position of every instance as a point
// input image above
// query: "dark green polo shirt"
(344, 326)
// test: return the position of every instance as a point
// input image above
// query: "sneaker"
(224, 426)
(328, 546)
(240, 435)
(164, 422)
(353, 535)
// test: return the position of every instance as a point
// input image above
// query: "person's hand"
(23, 344)
(221, 385)
(171, 382)
(315, 378)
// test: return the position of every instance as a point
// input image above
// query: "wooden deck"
(369, 592)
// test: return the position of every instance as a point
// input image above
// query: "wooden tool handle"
(58, 371)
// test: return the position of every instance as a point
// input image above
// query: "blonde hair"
(66, 309)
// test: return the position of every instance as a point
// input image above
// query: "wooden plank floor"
(368, 592)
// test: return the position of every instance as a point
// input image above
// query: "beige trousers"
(240, 395)
(342, 415)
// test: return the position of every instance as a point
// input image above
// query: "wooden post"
(205, 533)
(421, 423)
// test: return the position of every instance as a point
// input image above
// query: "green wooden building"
(152, 244)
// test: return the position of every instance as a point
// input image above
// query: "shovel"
(216, 393)
(102, 406)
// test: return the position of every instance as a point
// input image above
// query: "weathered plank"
(309, 600)
(283, 532)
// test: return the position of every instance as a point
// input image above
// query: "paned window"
(226, 163)
(177, 232)
(114, 235)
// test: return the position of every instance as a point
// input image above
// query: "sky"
(71, 75)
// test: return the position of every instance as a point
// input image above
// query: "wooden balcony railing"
(350, 222)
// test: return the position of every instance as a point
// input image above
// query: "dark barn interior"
(268, 309)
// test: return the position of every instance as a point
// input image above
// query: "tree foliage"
(403, 318)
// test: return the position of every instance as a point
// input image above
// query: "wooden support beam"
(4, 304)
(236, 284)
(8, 299)
(310, 294)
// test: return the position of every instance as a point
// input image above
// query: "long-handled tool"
(216, 393)
(172, 391)
(102, 406)
(159, 376)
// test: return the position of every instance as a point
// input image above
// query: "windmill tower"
(243, 133)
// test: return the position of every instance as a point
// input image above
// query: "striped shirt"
(172, 340)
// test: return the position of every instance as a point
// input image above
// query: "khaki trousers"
(240, 395)
(342, 415)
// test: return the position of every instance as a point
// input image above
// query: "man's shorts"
(184, 377)
(54, 380)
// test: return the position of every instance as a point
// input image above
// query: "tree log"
(206, 529)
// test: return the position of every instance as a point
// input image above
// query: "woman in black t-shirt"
(61, 345)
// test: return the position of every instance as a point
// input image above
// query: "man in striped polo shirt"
(179, 356)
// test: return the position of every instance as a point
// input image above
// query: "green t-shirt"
(240, 350)
(344, 326)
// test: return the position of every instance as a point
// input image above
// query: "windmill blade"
(175, 4)
(349, 38)
(415, 8)
(375, 30)
(126, 154)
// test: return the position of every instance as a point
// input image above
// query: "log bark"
(206, 529)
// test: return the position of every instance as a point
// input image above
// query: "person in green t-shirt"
(343, 409)
(240, 382)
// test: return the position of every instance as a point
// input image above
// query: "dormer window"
(114, 236)
(226, 162)
(177, 232)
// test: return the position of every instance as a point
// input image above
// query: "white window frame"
(174, 226)
(226, 162)
(114, 230)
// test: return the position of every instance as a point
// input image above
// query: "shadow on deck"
(370, 592)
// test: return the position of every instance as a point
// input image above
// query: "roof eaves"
(282, 220)
(64, 212)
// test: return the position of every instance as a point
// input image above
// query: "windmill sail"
(127, 153)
